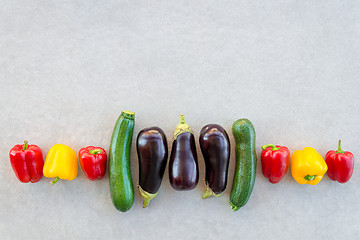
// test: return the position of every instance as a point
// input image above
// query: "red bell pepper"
(275, 162)
(93, 162)
(27, 162)
(340, 164)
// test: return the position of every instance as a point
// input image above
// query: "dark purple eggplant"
(183, 165)
(152, 152)
(215, 147)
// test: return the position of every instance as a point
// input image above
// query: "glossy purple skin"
(215, 147)
(183, 165)
(152, 152)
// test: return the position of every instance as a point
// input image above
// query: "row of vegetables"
(307, 165)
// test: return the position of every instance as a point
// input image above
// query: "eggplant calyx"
(234, 207)
(182, 127)
(209, 192)
(146, 196)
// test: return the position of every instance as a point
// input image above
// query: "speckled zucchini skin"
(121, 186)
(245, 169)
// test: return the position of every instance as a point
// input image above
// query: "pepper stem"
(25, 145)
(309, 177)
(274, 148)
(339, 148)
(55, 181)
(95, 151)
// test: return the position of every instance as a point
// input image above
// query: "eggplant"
(151, 146)
(183, 165)
(215, 147)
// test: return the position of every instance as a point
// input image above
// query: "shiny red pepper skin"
(27, 162)
(93, 162)
(275, 162)
(340, 164)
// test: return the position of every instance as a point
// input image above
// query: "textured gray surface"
(68, 68)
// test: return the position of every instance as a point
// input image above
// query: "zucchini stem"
(234, 207)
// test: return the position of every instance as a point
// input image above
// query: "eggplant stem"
(182, 127)
(147, 197)
(209, 192)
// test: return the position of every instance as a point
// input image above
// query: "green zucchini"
(245, 169)
(121, 186)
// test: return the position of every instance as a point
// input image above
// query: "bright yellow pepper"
(308, 166)
(61, 162)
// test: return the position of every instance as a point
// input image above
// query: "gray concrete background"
(68, 68)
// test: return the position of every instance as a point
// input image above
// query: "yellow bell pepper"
(61, 162)
(308, 166)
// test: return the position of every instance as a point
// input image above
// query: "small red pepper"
(27, 162)
(275, 162)
(340, 164)
(93, 162)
